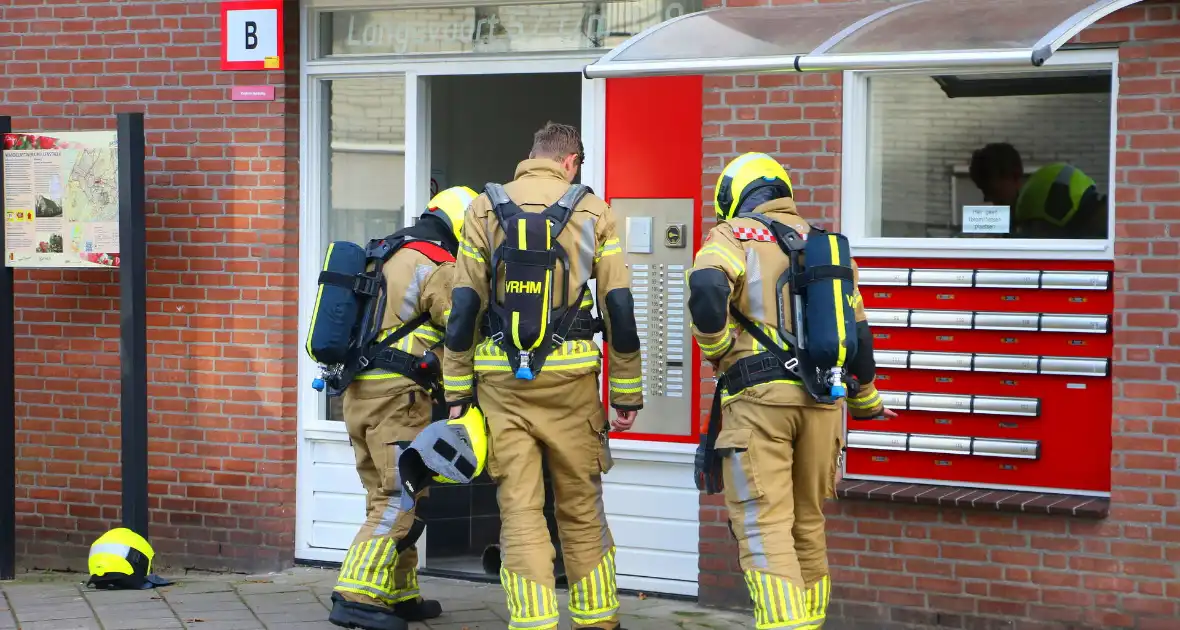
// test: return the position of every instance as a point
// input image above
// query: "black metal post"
(7, 398)
(133, 322)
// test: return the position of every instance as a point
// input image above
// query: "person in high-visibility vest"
(1057, 201)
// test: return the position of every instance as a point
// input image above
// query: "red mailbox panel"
(1000, 371)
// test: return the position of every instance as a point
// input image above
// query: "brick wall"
(222, 259)
(898, 566)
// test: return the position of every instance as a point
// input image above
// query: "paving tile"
(294, 614)
(248, 587)
(247, 624)
(61, 624)
(198, 585)
(128, 623)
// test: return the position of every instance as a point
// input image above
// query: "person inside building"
(529, 250)
(778, 445)
(388, 404)
(1057, 201)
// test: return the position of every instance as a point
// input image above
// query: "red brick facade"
(222, 223)
(223, 338)
(895, 565)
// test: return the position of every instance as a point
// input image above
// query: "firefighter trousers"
(779, 467)
(374, 572)
(564, 417)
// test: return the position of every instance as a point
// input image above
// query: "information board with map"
(61, 199)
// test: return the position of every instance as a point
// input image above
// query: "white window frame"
(857, 183)
(311, 406)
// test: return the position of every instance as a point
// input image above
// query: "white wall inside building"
(918, 136)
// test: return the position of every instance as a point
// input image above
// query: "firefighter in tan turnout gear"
(528, 252)
(385, 407)
(776, 421)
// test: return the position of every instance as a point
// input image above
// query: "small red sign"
(253, 93)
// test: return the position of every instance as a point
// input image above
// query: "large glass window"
(1010, 155)
(507, 28)
(364, 192)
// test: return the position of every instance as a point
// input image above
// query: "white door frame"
(310, 404)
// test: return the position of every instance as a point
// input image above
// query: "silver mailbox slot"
(1008, 279)
(888, 317)
(1008, 406)
(1005, 363)
(1019, 449)
(940, 361)
(940, 402)
(893, 400)
(890, 358)
(1093, 280)
(1074, 323)
(940, 444)
(1072, 366)
(941, 319)
(941, 278)
(1006, 321)
(878, 440)
(888, 277)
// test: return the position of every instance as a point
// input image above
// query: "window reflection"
(1017, 155)
(364, 192)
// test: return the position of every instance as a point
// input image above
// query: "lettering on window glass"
(496, 29)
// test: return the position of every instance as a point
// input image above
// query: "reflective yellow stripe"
(865, 403)
(738, 266)
(780, 604)
(470, 251)
(838, 296)
(771, 332)
(627, 385)
(531, 606)
(571, 355)
(594, 598)
(458, 383)
(716, 348)
(319, 294)
(610, 247)
(368, 570)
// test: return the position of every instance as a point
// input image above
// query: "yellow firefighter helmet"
(449, 206)
(448, 451)
(744, 175)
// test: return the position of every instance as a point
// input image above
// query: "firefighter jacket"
(414, 284)
(752, 263)
(591, 240)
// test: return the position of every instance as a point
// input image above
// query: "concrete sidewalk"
(293, 600)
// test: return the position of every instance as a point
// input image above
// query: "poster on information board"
(61, 199)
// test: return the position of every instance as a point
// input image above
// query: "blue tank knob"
(838, 391)
(524, 373)
(318, 384)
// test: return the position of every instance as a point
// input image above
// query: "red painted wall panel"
(653, 150)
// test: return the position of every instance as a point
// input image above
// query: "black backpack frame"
(559, 215)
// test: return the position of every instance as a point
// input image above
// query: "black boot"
(418, 609)
(348, 614)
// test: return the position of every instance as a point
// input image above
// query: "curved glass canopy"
(876, 35)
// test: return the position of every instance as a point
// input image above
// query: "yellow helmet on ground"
(120, 558)
(744, 175)
(447, 451)
(449, 206)
(1054, 194)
